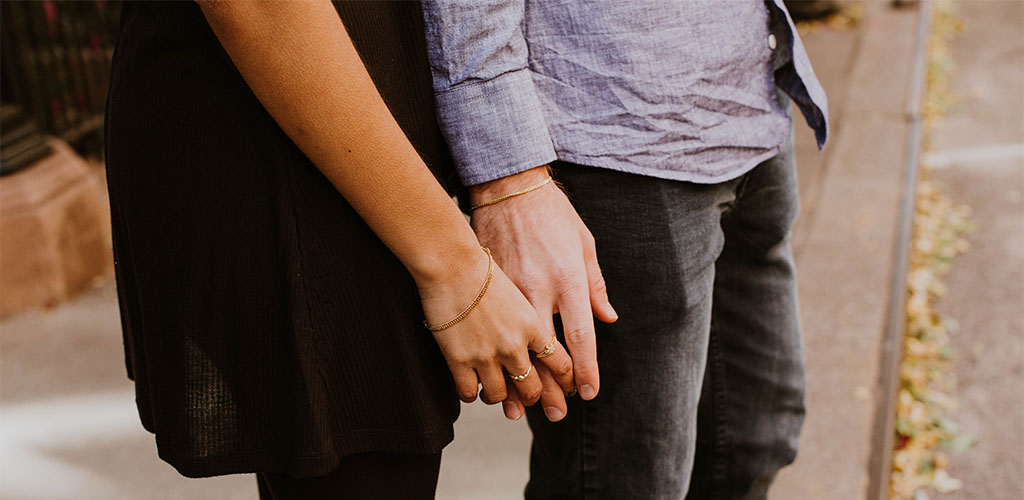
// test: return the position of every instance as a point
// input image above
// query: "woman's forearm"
(300, 63)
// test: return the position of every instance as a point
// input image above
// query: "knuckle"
(494, 397)
(578, 335)
(467, 394)
(512, 346)
(588, 240)
(530, 284)
(551, 394)
(562, 366)
(585, 371)
(461, 359)
(567, 276)
(575, 288)
(539, 338)
(478, 358)
(599, 285)
(531, 394)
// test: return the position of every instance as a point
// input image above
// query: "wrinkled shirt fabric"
(676, 89)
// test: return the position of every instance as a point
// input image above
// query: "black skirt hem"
(318, 464)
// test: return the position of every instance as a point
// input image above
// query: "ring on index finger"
(520, 378)
(549, 349)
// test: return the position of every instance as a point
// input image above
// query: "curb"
(892, 345)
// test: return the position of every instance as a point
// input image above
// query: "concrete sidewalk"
(65, 368)
(845, 254)
(977, 154)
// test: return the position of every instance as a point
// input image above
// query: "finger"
(493, 380)
(599, 302)
(529, 387)
(558, 364)
(552, 399)
(513, 404)
(578, 323)
(466, 383)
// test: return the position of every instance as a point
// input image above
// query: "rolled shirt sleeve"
(487, 105)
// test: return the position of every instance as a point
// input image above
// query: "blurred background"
(910, 248)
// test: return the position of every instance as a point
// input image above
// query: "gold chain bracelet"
(479, 296)
(510, 195)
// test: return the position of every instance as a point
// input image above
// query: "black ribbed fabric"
(265, 326)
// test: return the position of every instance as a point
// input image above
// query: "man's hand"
(545, 249)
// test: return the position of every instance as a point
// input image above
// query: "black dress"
(265, 326)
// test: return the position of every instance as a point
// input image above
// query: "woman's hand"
(300, 63)
(495, 338)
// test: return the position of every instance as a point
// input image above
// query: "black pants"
(702, 377)
(366, 476)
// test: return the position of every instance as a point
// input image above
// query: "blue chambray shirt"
(677, 89)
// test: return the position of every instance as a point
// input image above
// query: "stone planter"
(54, 232)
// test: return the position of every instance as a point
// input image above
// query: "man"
(661, 120)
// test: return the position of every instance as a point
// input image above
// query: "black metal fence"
(55, 57)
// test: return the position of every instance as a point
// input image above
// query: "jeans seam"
(718, 465)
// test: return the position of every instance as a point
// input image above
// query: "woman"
(278, 241)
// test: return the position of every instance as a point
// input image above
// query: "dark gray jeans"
(702, 377)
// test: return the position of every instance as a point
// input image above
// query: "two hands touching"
(545, 263)
(545, 256)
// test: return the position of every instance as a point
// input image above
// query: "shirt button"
(772, 43)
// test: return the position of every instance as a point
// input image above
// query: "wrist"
(440, 267)
(490, 190)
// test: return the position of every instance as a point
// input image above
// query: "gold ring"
(520, 378)
(548, 349)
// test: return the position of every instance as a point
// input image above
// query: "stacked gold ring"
(549, 349)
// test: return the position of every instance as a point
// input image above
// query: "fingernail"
(553, 413)
(511, 410)
(587, 392)
(612, 309)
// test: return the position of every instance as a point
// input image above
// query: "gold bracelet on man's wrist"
(511, 195)
(479, 296)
